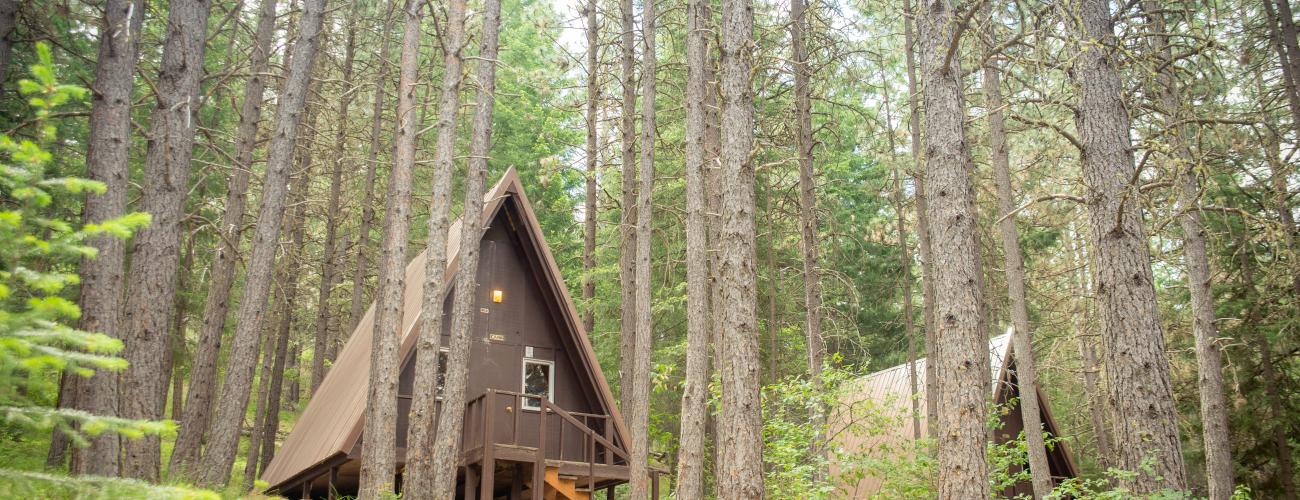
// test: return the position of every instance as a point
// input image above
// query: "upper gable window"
(538, 380)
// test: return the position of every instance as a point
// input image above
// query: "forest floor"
(24, 475)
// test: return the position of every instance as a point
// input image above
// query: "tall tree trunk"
(593, 152)
(1205, 331)
(175, 353)
(812, 287)
(107, 162)
(156, 252)
(627, 217)
(1088, 352)
(961, 353)
(1137, 367)
(203, 370)
(276, 346)
(741, 467)
(1288, 38)
(451, 419)
(1284, 62)
(690, 455)
(638, 411)
(224, 435)
(922, 223)
(358, 302)
(329, 248)
(8, 17)
(418, 481)
(378, 456)
(59, 442)
(1014, 265)
(256, 432)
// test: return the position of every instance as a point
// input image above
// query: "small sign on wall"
(496, 337)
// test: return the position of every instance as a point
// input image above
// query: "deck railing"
(483, 413)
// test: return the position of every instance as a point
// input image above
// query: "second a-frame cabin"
(540, 422)
(884, 397)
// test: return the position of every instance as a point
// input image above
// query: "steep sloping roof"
(332, 422)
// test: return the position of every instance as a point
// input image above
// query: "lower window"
(538, 378)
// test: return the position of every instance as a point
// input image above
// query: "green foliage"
(21, 484)
(39, 253)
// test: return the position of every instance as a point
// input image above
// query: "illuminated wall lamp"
(497, 296)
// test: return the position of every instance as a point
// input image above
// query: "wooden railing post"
(489, 467)
(609, 433)
(539, 467)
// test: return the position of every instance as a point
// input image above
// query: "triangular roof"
(891, 390)
(331, 423)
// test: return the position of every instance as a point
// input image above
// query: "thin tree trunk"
(224, 435)
(418, 481)
(256, 431)
(741, 467)
(1014, 265)
(593, 152)
(156, 253)
(451, 419)
(1088, 352)
(329, 263)
(372, 163)
(378, 456)
(1214, 406)
(107, 162)
(627, 217)
(1137, 367)
(1284, 62)
(638, 412)
(1288, 37)
(690, 455)
(203, 369)
(773, 330)
(59, 442)
(289, 292)
(176, 339)
(1269, 378)
(807, 187)
(8, 16)
(961, 354)
(905, 263)
(922, 224)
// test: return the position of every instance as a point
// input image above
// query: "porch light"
(497, 296)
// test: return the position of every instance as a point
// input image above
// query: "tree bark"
(203, 370)
(378, 455)
(1284, 62)
(224, 434)
(922, 222)
(638, 411)
(330, 248)
(741, 465)
(690, 455)
(1014, 265)
(1214, 405)
(961, 354)
(593, 153)
(107, 162)
(418, 481)
(1137, 367)
(451, 419)
(372, 163)
(627, 217)
(156, 253)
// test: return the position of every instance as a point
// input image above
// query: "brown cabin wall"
(524, 318)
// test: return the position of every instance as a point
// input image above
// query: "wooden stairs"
(561, 487)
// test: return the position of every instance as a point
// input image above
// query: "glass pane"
(442, 371)
(537, 381)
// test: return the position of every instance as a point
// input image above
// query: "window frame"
(523, 382)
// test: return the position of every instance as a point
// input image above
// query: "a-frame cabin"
(540, 411)
(885, 396)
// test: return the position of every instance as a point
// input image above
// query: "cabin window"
(442, 370)
(538, 380)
